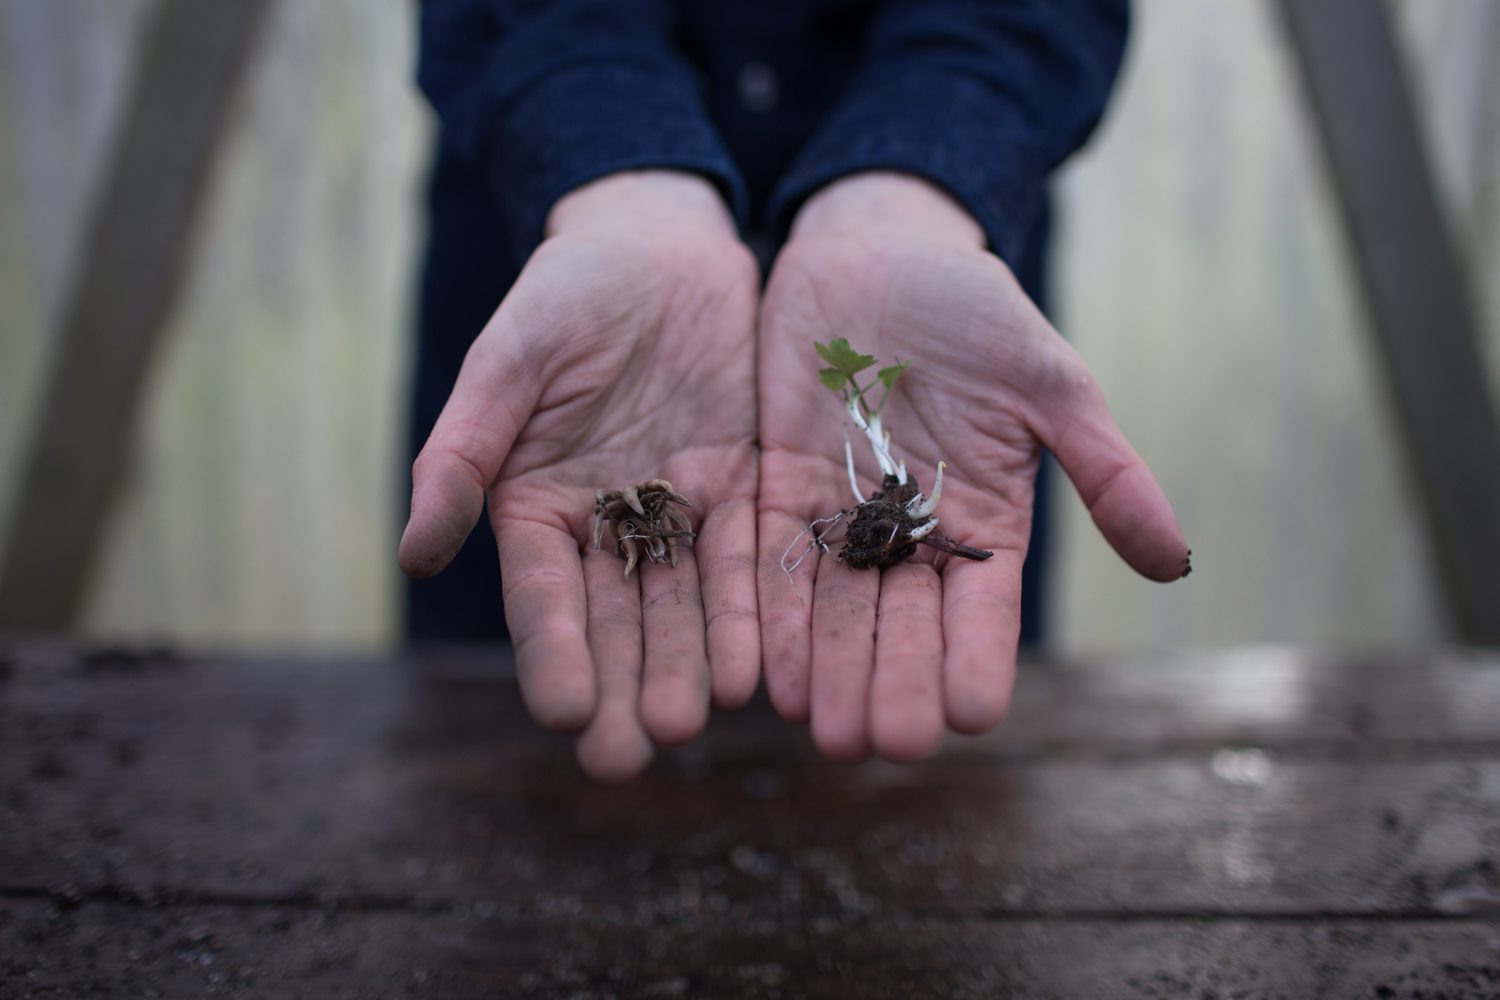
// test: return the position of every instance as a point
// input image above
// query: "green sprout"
(843, 376)
(844, 366)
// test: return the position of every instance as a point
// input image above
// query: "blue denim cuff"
(949, 130)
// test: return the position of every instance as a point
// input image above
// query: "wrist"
(887, 205)
(642, 201)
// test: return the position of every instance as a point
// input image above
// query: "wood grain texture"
(1257, 821)
(283, 952)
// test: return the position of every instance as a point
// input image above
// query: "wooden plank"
(196, 950)
(1270, 695)
(131, 262)
(369, 783)
(1414, 288)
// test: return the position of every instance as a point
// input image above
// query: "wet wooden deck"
(1243, 824)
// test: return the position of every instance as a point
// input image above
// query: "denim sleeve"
(982, 97)
(546, 96)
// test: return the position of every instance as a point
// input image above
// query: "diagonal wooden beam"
(1414, 289)
(128, 269)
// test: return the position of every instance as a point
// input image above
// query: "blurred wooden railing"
(1409, 264)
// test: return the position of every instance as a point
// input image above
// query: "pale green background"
(1200, 272)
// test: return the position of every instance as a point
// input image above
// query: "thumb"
(492, 399)
(1128, 506)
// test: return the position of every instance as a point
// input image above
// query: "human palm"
(882, 660)
(615, 359)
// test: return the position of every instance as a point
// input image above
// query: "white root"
(919, 506)
(631, 536)
(859, 497)
(815, 542)
(925, 529)
(880, 440)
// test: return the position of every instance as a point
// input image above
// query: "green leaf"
(833, 378)
(888, 376)
(843, 357)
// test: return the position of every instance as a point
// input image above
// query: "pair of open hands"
(635, 345)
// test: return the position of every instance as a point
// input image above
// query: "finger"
(725, 551)
(785, 598)
(1118, 488)
(491, 401)
(843, 658)
(906, 702)
(674, 695)
(614, 747)
(546, 610)
(981, 626)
